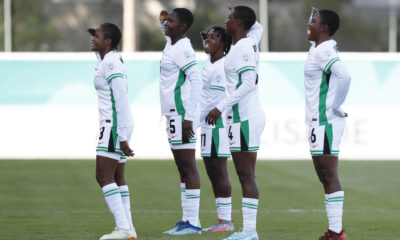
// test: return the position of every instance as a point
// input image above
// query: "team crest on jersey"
(187, 54)
(218, 78)
(246, 57)
(111, 66)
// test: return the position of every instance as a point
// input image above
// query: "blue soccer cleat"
(244, 235)
(185, 228)
(178, 224)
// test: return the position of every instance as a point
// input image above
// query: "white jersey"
(110, 82)
(324, 91)
(174, 90)
(242, 57)
(213, 92)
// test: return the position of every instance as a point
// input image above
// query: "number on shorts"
(313, 138)
(230, 135)
(101, 133)
(172, 126)
(203, 139)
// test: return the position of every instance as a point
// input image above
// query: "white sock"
(192, 205)
(183, 201)
(249, 208)
(334, 210)
(126, 201)
(114, 202)
(224, 208)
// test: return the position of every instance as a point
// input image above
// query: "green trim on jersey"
(329, 135)
(115, 75)
(244, 128)
(323, 92)
(177, 95)
(246, 68)
(328, 66)
(187, 66)
(215, 139)
(114, 114)
(219, 123)
(215, 87)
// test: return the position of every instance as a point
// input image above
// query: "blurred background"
(58, 25)
(48, 103)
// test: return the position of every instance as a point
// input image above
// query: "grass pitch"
(60, 199)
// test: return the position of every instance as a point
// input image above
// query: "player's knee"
(326, 176)
(245, 176)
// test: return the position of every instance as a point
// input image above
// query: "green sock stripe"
(107, 195)
(112, 190)
(335, 198)
(249, 204)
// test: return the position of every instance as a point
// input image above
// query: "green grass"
(60, 199)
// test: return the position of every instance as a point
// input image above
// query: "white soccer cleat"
(120, 233)
(244, 235)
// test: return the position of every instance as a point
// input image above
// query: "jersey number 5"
(172, 126)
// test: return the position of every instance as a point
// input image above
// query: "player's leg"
(325, 161)
(219, 177)
(245, 141)
(124, 190)
(106, 165)
(215, 151)
(189, 174)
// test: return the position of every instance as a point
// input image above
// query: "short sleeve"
(185, 58)
(113, 69)
(245, 59)
(326, 56)
(218, 80)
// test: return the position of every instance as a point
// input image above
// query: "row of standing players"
(231, 116)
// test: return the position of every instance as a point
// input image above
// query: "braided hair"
(225, 38)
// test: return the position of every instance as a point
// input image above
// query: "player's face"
(213, 42)
(98, 41)
(314, 27)
(230, 23)
(172, 25)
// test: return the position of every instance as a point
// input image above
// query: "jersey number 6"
(313, 137)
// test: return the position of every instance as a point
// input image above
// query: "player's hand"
(213, 116)
(163, 16)
(187, 129)
(229, 7)
(91, 31)
(314, 11)
(203, 35)
(126, 149)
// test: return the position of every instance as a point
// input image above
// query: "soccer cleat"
(244, 235)
(186, 229)
(331, 235)
(178, 224)
(120, 233)
(221, 226)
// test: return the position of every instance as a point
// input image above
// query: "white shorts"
(108, 146)
(325, 139)
(214, 142)
(174, 131)
(245, 136)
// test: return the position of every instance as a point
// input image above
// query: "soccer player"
(326, 83)
(116, 125)
(180, 89)
(245, 116)
(214, 140)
